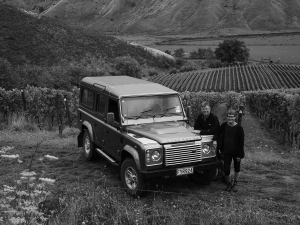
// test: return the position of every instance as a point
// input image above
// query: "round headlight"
(205, 149)
(155, 156)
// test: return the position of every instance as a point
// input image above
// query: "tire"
(131, 178)
(88, 147)
(204, 177)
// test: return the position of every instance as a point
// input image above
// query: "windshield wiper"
(141, 113)
(166, 110)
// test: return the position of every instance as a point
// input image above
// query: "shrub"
(180, 62)
(215, 64)
(173, 71)
(128, 66)
(187, 68)
(152, 73)
(168, 52)
(179, 53)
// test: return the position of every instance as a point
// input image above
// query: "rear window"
(87, 98)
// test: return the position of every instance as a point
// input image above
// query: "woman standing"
(231, 136)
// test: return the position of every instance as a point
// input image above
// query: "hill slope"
(174, 16)
(34, 50)
(242, 78)
(26, 39)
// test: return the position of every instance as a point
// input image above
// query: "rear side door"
(112, 134)
(99, 122)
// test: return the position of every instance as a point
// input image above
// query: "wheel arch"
(87, 126)
(129, 151)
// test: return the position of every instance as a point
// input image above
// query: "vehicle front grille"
(182, 153)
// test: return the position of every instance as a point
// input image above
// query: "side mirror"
(188, 112)
(110, 118)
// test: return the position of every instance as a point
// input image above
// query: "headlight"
(206, 149)
(155, 155)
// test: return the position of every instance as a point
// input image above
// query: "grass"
(91, 193)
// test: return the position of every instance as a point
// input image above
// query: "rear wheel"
(204, 177)
(88, 147)
(131, 178)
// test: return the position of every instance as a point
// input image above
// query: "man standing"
(206, 123)
(232, 147)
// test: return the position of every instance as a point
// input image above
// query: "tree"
(194, 55)
(168, 52)
(128, 66)
(179, 53)
(232, 51)
(9, 79)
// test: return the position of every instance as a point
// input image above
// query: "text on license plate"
(183, 171)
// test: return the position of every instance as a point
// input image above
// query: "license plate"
(183, 171)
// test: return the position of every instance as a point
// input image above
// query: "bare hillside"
(172, 16)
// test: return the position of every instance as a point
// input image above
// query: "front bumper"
(172, 171)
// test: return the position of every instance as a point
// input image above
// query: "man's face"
(205, 110)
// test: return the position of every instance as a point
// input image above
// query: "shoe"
(228, 187)
(234, 187)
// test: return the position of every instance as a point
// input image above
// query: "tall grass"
(19, 122)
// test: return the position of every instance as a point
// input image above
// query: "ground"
(269, 181)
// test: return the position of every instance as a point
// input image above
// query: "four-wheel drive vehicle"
(142, 128)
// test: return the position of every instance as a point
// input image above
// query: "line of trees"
(230, 51)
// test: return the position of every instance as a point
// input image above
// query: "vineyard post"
(59, 115)
(23, 99)
(68, 112)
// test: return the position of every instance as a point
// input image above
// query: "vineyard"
(46, 107)
(236, 78)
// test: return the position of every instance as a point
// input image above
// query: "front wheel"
(204, 177)
(131, 178)
(88, 147)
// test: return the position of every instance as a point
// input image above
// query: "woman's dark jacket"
(239, 139)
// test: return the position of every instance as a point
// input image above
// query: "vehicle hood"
(164, 132)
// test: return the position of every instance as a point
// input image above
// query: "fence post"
(68, 112)
(23, 99)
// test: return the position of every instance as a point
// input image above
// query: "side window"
(113, 107)
(100, 104)
(87, 98)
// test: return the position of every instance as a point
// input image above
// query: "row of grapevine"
(45, 106)
(231, 99)
(279, 106)
(237, 78)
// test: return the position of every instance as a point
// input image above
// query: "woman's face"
(231, 119)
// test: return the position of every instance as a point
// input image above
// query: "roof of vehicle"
(121, 86)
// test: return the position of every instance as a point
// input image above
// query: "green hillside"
(32, 43)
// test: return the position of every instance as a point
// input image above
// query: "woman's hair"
(231, 112)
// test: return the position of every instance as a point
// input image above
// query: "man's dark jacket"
(209, 126)
(239, 139)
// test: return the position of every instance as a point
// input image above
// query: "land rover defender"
(142, 128)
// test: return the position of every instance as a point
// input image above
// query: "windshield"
(151, 106)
